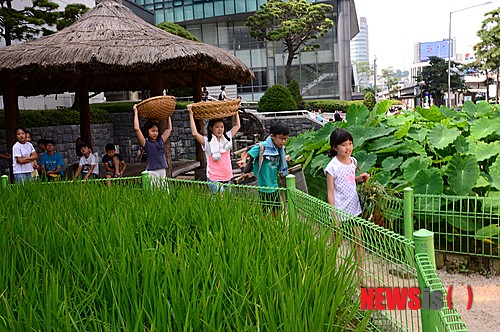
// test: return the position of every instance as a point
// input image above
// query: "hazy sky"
(395, 25)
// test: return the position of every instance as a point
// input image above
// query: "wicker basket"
(215, 109)
(157, 108)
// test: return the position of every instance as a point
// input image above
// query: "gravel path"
(484, 315)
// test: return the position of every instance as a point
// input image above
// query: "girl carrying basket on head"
(217, 145)
(153, 145)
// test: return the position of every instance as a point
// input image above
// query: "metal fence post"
(290, 193)
(5, 181)
(146, 182)
(424, 244)
(408, 205)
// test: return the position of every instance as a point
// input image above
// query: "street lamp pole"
(449, 49)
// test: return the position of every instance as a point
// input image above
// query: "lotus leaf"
(411, 170)
(495, 174)
(308, 159)
(449, 113)
(362, 134)
(461, 145)
(492, 205)
(365, 160)
(461, 222)
(481, 182)
(319, 163)
(382, 107)
(401, 132)
(419, 134)
(463, 174)
(489, 232)
(483, 109)
(382, 143)
(383, 177)
(397, 120)
(432, 114)
(428, 181)
(484, 127)
(391, 163)
(415, 147)
(482, 151)
(440, 136)
(429, 206)
(392, 149)
(357, 116)
(470, 108)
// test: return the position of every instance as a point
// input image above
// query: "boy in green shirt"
(269, 161)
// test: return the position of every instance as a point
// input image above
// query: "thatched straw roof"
(114, 50)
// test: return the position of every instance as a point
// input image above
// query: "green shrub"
(295, 91)
(369, 100)
(181, 92)
(126, 106)
(276, 99)
(45, 118)
(331, 105)
(115, 107)
(182, 105)
(99, 113)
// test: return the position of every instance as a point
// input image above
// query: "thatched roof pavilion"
(109, 49)
(115, 50)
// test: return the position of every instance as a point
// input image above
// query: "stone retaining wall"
(121, 133)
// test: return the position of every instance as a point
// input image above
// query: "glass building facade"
(222, 23)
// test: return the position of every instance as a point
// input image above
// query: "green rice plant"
(91, 257)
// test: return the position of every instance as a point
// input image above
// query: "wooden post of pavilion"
(200, 173)
(84, 106)
(11, 116)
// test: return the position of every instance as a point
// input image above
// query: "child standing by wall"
(87, 168)
(23, 156)
(341, 173)
(269, 160)
(153, 145)
(217, 145)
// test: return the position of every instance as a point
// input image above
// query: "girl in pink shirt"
(217, 145)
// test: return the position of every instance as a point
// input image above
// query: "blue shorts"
(22, 177)
(218, 186)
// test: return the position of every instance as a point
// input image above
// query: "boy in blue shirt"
(51, 163)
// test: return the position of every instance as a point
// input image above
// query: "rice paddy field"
(89, 257)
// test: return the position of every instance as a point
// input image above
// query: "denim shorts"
(22, 177)
(218, 186)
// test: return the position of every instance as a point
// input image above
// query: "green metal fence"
(444, 319)
(384, 258)
(461, 224)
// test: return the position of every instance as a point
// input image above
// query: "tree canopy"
(488, 49)
(390, 79)
(294, 22)
(365, 72)
(435, 79)
(70, 14)
(26, 23)
(177, 30)
(38, 19)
